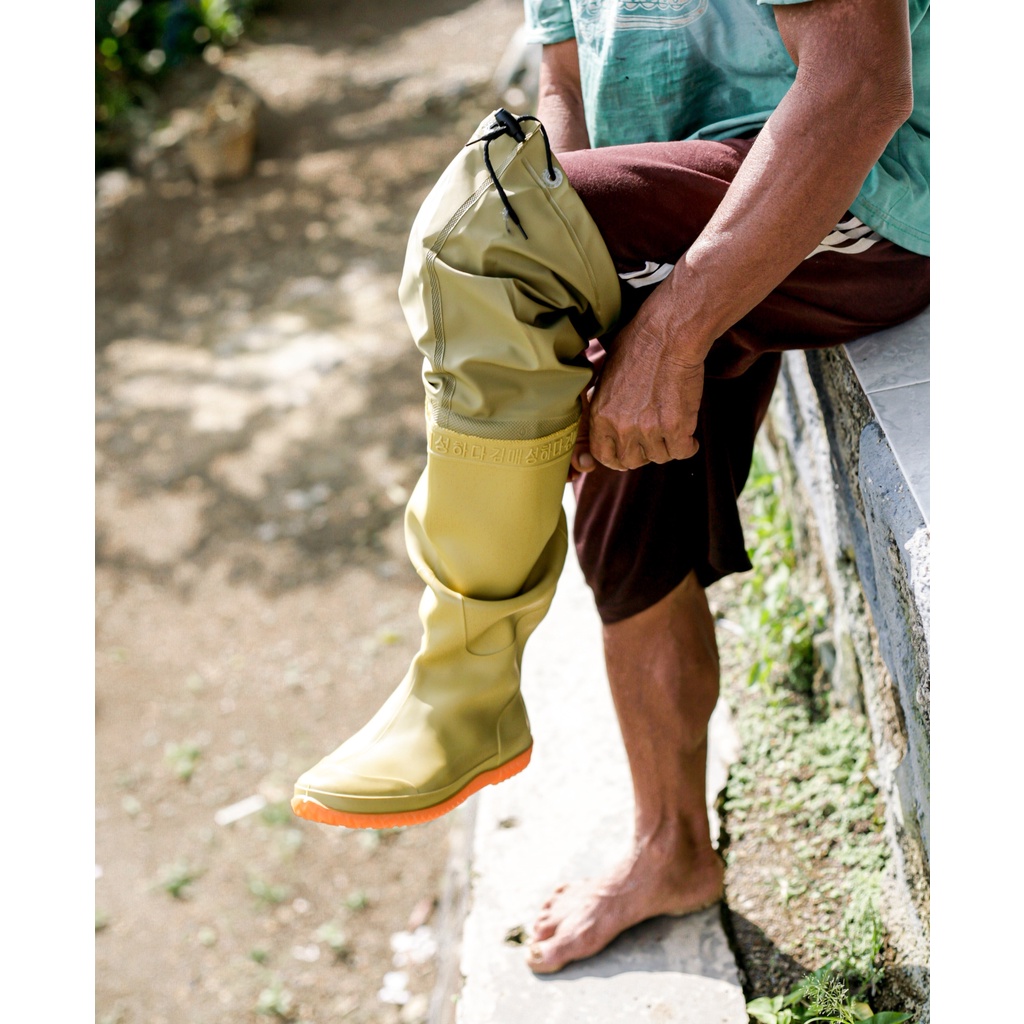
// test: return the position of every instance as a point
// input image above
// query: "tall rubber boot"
(505, 275)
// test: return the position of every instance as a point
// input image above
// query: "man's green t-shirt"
(664, 70)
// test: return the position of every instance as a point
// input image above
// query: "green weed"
(182, 758)
(177, 877)
(357, 900)
(266, 892)
(779, 622)
(821, 998)
(276, 1001)
(332, 935)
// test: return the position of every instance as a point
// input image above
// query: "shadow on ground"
(258, 396)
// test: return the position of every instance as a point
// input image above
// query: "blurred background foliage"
(139, 42)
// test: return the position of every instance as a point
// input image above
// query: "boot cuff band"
(537, 451)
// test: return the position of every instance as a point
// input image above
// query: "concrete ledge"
(849, 429)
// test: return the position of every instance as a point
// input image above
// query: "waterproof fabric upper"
(669, 70)
(501, 314)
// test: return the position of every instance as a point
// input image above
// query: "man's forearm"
(560, 99)
(802, 173)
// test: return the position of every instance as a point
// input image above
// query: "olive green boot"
(505, 276)
(489, 542)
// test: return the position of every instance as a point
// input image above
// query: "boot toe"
(329, 779)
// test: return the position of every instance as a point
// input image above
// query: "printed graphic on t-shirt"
(595, 17)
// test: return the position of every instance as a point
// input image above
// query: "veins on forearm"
(800, 176)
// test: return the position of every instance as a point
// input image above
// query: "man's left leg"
(670, 650)
(637, 534)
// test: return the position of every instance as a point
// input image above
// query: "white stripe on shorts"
(850, 237)
(650, 275)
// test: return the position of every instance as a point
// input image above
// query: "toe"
(548, 957)
(539, 960)
(543, 928)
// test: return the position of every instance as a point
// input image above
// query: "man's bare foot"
(581, 918)
(663, 673)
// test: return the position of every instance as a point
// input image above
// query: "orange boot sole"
(312, 810)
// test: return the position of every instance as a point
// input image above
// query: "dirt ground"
(259, 431)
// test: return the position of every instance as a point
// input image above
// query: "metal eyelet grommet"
(555, 182)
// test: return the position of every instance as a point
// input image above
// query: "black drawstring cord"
(508, 124)
(509, 212)
(547, 144)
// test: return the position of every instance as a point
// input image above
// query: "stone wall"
(855, 515)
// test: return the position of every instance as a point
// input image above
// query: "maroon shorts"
(640, 533)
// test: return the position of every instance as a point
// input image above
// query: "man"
(792, 214)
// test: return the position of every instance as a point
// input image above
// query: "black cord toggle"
(508, 124)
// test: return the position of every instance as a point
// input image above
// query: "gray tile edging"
(893, 368)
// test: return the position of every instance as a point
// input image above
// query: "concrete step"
(569, 816)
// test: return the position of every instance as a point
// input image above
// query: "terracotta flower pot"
(220, 146)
